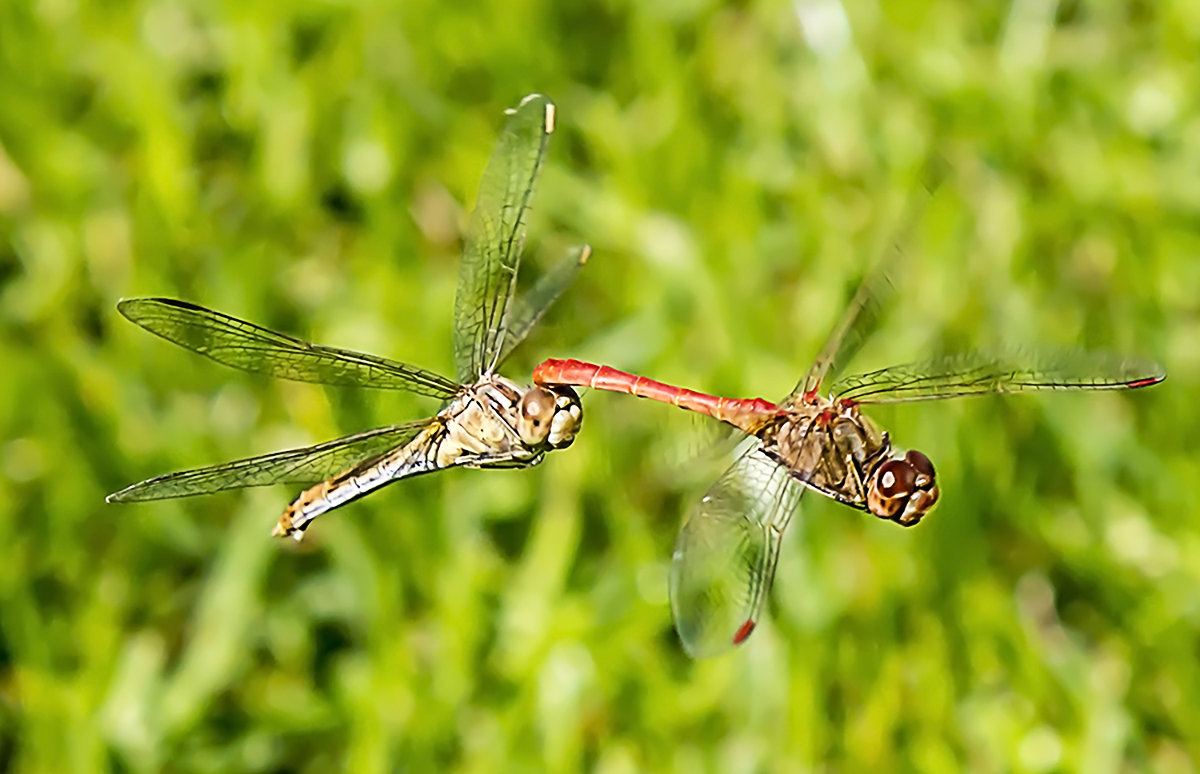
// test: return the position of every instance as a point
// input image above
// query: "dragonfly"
(726, 552)
(486, 421)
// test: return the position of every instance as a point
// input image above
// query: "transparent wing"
(686, 445)
(980, 373)
(295, 466)
(725, 556)
(859, 320)
(857, 323)
(527, 310)
(496, 235)
(251, 347)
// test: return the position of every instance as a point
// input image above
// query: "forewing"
(861, 317)
(856, 325)
(528, 309)
(496, 235)
(725, 555)
(981, 373)
(251, 347)
(294, 466)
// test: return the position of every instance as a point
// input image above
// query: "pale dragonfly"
(487, 420)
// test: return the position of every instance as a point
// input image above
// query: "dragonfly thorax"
(831, 447)
(496, 423)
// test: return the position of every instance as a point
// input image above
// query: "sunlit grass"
(734, 169)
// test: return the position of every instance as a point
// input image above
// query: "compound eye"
(896, 478)
(567, 419)
(921, 464)
(889, 491)
(565, 393)
(536, 412)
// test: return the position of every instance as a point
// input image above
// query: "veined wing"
(295, 466)
(528, 309)
(859, 320)
(496, 236)
(725, 556)
(251, 347)
(857, 323)
(982, 373)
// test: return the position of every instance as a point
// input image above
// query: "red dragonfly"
(487, 421)
(725, 555)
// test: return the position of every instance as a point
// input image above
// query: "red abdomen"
(747, 414)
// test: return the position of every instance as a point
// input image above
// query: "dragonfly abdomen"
(417, 456)
(747, 414)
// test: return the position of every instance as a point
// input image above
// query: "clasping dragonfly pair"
(727, 549)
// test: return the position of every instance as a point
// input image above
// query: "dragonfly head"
(549, 416)
(904, 489)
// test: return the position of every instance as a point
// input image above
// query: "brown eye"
(896, 478)
(920, 463)
(537, 409)
(532, 406)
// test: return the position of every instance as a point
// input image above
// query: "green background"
(735, 169)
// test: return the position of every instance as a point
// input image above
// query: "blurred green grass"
(734, 168)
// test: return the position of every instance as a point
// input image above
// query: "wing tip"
(1147, 381)
(699, 645)
(744, 631)
(130, 494)
(126, 306)
(138, 308)
(548, 110)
